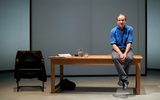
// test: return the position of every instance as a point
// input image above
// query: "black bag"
(66, 84)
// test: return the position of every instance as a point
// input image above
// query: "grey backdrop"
(63, 26)
(14, 31)
(153, 29)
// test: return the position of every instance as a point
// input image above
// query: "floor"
(87, 88)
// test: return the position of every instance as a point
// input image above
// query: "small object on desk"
(80, 52)
(65, 55)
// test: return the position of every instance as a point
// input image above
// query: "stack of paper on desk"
(65, 55)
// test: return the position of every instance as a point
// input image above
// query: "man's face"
(121, 21)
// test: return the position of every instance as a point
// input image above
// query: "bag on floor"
(66, 84)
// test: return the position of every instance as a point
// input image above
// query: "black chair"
(28, 65)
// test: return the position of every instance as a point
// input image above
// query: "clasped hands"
(123, 57)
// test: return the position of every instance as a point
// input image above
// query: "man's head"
(121, 20)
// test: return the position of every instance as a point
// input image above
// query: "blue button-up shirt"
(121, 37)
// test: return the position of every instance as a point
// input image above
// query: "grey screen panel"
(63, 26)
(14, 31)
(153, 35)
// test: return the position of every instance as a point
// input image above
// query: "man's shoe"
(120, 83)
(125, 85)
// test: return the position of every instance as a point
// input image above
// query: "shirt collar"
(123, 28)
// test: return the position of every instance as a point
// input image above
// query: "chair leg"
(42, 86)
(17, 86)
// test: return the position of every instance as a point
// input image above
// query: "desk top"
(92, 57)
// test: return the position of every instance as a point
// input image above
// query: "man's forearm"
(128, 47)
(115, 47)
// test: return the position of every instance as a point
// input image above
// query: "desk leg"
(138, 74)
(52, 77)
(61, 72)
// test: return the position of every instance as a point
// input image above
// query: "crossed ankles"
(123, 83)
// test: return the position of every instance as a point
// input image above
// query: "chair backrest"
(29, 59)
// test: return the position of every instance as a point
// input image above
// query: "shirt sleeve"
(130, 37)
(112, 37)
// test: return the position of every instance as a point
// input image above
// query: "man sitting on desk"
(121, 38)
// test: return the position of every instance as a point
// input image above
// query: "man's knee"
(129, 58)
(115, 57)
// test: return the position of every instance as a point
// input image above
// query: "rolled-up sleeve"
(112, 37)
(130, 36)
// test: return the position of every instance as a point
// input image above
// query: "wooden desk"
(90, 60)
